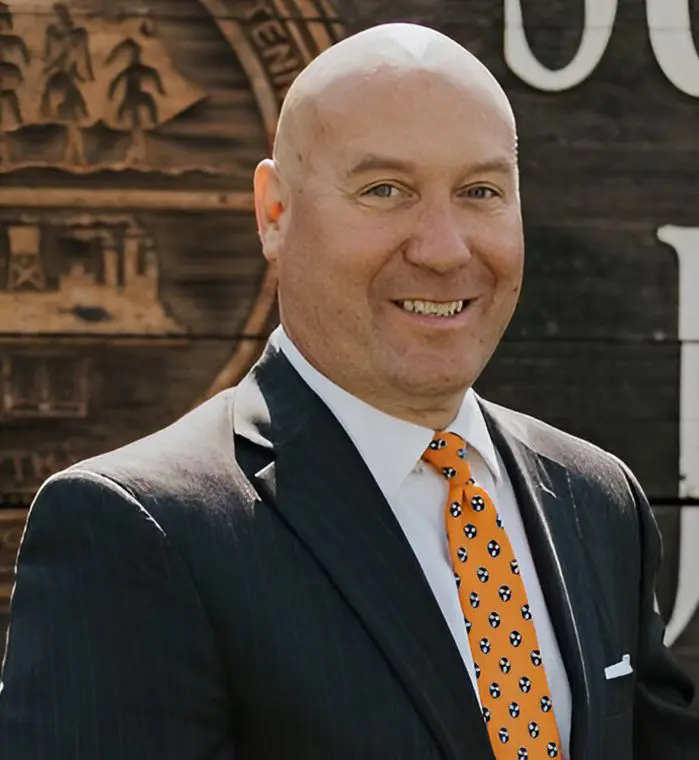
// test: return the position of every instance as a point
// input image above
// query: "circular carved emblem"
(132, 285)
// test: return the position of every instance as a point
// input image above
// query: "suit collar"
(546, 495)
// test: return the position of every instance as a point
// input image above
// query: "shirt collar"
(374, 433)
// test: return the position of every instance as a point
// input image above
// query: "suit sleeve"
(110, 654)
(664, 725)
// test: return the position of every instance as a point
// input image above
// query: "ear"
(270, 207)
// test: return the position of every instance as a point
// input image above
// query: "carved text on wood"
(669, 28)
(27, 469)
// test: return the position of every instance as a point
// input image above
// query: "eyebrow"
(372, 162)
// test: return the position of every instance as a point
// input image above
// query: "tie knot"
(447, 454)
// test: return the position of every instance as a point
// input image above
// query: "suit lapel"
(544, 494)
(323, 490)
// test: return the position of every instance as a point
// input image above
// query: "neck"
(433, 410)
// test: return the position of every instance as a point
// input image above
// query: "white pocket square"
(621, 668)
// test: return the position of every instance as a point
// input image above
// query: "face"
(400, 249)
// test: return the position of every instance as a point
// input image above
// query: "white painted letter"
(599, 21)
(685, 241)
(670, 29)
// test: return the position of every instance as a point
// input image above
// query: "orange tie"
(512, 683)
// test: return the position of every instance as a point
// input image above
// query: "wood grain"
(160, 200)
(593, 347)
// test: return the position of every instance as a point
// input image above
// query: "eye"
(381, 191)
(482, 192)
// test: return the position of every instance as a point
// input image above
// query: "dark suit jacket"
(236, 586)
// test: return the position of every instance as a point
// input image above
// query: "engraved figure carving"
(68, 67)
(85, 75)
(11, 76)
(136, 99)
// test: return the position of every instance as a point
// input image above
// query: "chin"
(435, 380)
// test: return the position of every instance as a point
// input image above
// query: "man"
(351, 555)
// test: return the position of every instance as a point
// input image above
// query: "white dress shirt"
(392, 449)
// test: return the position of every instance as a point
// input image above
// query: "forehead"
(429, 120)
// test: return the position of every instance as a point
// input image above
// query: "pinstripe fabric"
(209, 593)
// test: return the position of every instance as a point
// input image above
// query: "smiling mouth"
(433, 308)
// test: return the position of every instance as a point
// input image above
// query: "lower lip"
(438, 323)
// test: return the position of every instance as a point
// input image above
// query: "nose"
(439, 241)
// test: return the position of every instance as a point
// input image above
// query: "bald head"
(386, 53)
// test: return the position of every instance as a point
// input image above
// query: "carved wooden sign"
(131, 281)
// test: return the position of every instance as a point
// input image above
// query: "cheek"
(315, 228)
(318, 270)
(502, 253)
(347, 245)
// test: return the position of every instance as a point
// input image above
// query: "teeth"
(432, 308)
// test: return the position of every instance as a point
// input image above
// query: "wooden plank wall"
(131, 282)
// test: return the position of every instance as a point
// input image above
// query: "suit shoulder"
(579, 456)
(179, 461)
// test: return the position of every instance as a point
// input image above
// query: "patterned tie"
(512, 683)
